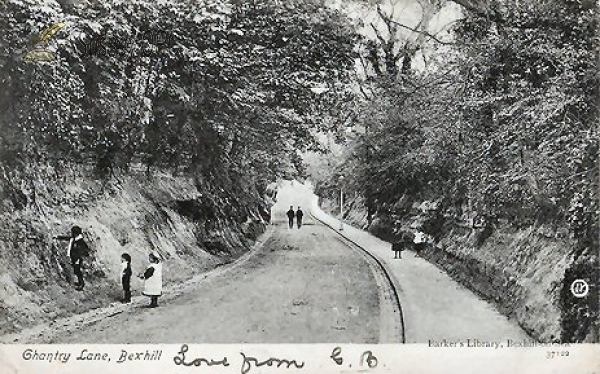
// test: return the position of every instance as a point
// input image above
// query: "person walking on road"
(76, 249)
(290, 214)
(126, 277)
(153, 280)
(299, 215)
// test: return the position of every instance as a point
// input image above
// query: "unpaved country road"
(302, 286)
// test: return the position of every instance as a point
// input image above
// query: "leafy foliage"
(222, 90)
(501, 127)
(503, 124)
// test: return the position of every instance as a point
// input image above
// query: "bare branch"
(398, 55)
(378, 34)
(373, 57)
(362, 90)
(386, 19)
(422, 32)
(364, 66)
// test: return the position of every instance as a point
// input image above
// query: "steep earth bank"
(525, 272)
(187, 225)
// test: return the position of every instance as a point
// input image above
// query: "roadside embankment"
(526, 273)
(134, 213)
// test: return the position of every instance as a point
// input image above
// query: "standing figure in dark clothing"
(397, 247)
(76, 250)
(290, 214)
(405, 242)
(126, 277)
(299, 216)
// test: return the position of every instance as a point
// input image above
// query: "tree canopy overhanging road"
(471, 121)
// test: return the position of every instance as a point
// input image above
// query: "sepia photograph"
(250, 172)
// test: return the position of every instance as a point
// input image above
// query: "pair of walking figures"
(297, 214)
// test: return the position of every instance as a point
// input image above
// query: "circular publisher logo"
(580, 288)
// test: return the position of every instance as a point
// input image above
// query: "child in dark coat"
(126, 277)
(76, 250)
(397, 247)
(405, 242)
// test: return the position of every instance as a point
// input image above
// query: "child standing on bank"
(153, 280)
(76, 250)
(126, 277)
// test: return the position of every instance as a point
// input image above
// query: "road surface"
(301, 286)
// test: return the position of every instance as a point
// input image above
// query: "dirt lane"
(303, 286)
